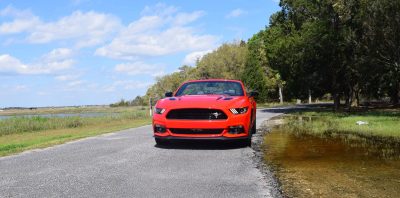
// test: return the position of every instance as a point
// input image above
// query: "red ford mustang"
(206, 110)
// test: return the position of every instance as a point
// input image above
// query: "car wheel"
(254, 128)
(247, 142)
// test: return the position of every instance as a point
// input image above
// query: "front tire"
(254, 128)
(247, 142)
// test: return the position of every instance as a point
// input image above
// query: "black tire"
(254, 128)
(247, 142)
(160, 142)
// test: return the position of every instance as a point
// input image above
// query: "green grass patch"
(384, 123)
(275, 104)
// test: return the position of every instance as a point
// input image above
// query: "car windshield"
(211, 88)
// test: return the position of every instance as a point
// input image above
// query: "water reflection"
(334, 165)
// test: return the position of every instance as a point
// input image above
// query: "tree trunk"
(309, 97)
(150, 106)
(336, 101)
(395, 95)
(348, 99)
(355, 96)
(280, 95)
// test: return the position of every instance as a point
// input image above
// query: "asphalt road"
(128, 164)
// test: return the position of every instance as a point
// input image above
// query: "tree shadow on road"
(201, 145)
(299, 108)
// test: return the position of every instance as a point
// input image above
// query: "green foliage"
(254, 75)
(170, 82)
(342, 47)
(227, 62)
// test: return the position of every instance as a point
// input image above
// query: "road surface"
(128, 164)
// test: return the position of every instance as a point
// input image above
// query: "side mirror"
(253, 94)
(169, 94)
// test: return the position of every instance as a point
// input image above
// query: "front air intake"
(197, 131)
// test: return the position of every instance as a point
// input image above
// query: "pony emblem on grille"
(216, 114)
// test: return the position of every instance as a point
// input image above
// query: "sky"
(93, 52)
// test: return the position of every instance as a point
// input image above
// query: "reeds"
(22, 124)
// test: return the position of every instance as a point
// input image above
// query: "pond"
(333, 166)
(62, 115)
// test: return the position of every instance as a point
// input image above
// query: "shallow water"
(62, 115)
(333, 166)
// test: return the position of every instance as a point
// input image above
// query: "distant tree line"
(346, 49)
(138, 101)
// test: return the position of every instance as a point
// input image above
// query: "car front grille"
(196, 114)
(196, 131)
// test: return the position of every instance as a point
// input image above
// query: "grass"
(274, 104)
(22, 124)
(382, 123)
(66, 110)
(18, 134)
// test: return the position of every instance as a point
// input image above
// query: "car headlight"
(159, 110)
(239, 110)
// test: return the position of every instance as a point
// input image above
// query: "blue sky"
(79, 52)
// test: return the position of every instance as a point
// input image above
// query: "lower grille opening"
(196, 131)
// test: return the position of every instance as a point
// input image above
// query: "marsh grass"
(380, 123)
(18, 134)
(23, 124)
(72, 110)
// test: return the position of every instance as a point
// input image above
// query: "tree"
(226, 62)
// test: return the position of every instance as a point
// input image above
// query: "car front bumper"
(232, 121)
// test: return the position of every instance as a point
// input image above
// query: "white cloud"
(235, 13)
(136, 68)
(158, 32)
(10, 11)
(20, 87)
(126, 85)
(159, 9)
(68, 77)
(48, 64)
(82, 28)
(58, 54)
(23, 20)
(90, 28)
(19, 25)
(75, 83)
(186, 18)
(191, 58)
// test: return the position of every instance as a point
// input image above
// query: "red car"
(210, 109)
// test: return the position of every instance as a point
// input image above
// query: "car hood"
(203, 101)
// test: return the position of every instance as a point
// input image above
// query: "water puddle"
(334, 165)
